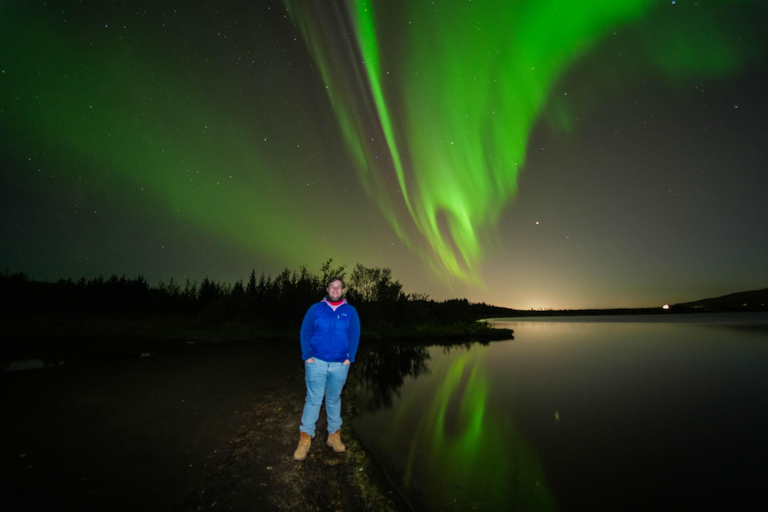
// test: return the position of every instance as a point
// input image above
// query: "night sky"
(523, 153)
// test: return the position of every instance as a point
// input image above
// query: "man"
(330, 335)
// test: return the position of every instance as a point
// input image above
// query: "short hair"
(343, 284)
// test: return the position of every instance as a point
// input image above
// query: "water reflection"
(574, 414)
(458, 452)
(383, 369)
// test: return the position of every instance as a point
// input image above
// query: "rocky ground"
(206, 429)
(257, 471)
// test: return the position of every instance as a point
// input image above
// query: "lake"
(661, 412)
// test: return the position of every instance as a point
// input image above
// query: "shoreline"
(197, 428)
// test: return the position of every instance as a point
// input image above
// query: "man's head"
(336, 289)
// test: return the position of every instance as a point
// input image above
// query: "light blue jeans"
(323, 379)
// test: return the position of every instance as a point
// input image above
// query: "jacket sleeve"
(307, 326)
(354, 336)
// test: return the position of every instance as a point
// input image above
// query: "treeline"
(277, 301)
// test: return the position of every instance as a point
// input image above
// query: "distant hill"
(756, 300)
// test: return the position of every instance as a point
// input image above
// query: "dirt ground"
(205, 429)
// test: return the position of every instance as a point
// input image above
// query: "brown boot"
(304, 442)
(334, 441)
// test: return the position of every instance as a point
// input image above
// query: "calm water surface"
(600, 413)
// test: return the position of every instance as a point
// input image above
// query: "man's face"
(335, 290)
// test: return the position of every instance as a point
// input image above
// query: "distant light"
(665, 306)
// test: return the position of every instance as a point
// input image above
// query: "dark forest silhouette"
(273, 302)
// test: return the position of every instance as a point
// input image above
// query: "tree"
(172, 288)
(329, 272)
(209, 291)
(250, 288)
(190, 290)
(375, 284)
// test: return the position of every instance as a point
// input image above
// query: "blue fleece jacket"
(330, 335)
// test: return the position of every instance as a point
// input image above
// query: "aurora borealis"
(526, 154)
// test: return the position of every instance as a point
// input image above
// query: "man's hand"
(347, 362)
(310, 360)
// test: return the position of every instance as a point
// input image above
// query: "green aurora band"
(132, 127)
(437, 100)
